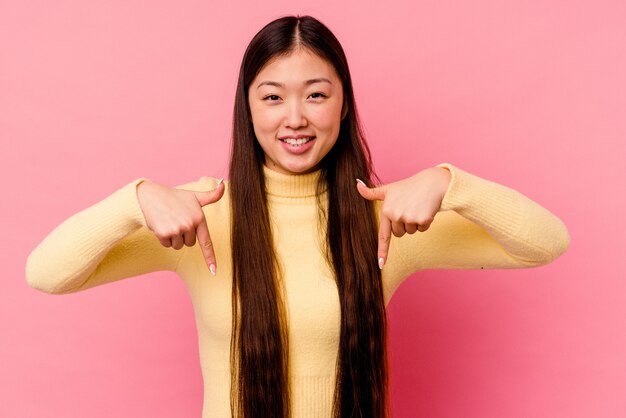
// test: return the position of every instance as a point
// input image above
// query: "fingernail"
(220, 182)
(212, 269)
(361, 181)
(381, 263)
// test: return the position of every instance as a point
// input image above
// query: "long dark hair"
(259, 346)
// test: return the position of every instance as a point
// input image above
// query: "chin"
(300, 169)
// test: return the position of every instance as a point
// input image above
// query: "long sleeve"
(481, 224)
(105, 242)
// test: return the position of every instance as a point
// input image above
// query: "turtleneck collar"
(291, 185)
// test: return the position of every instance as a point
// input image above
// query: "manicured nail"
(381, 263)
(212, 269)
(361, 181)
(220, 182)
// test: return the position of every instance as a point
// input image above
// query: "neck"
(291, 185)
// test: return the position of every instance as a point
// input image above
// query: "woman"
(291, 263)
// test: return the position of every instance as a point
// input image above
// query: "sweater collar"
(291, 185)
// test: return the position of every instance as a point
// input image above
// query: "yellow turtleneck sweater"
(481, 224)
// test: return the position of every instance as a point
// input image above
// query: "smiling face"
(296, 109)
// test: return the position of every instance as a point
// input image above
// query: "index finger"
(204, 238)
(384, 236)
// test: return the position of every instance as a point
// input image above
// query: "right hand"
(176, 217)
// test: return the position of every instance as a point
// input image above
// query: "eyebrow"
(306, 83)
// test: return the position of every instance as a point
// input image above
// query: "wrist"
(446, 174)
(139, 188)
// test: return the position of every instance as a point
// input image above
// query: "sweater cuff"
(467, 191)
(473, 197)
(451, 199)
(133, 208)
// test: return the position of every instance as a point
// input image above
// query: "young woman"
(291, 263)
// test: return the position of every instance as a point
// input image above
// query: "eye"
(271, 95)
(321, 94)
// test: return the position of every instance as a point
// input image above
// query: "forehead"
(295, 67)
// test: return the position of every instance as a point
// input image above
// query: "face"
(296, 106)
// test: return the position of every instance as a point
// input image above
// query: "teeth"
(300, 141)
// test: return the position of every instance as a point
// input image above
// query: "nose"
(295, 116)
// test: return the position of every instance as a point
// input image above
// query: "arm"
(481, 224)
(105, 242)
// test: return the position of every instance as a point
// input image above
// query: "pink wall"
(531, 94)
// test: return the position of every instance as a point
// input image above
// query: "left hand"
(409, 205)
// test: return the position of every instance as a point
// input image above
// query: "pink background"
(531, 94)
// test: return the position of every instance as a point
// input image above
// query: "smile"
(297, 142)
